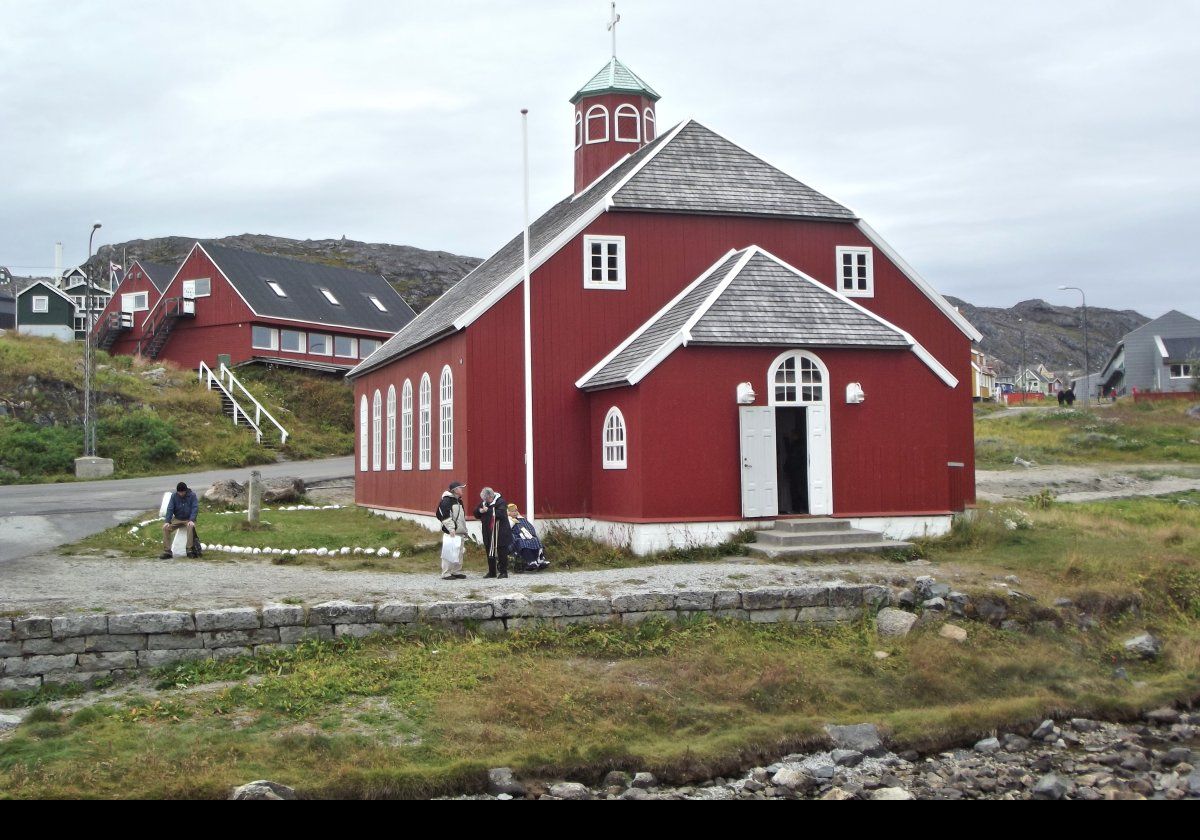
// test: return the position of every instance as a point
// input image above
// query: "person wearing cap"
(182, 511)
(453, 518)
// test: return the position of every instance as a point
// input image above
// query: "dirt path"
(1086, 483)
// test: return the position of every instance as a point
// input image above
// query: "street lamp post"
(89, 421)
(1087, 365)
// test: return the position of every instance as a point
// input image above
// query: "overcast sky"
(1004, 148)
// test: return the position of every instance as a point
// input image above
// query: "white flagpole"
(529, 509)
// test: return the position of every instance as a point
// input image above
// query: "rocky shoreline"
(1079, 758)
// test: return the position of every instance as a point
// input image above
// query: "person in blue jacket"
(182, 511)
(526, 546)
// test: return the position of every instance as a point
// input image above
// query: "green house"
(43, 309)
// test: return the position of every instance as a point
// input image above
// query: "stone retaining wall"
(39, 650)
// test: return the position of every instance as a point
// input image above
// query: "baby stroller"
(526, 549)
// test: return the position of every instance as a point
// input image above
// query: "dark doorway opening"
(791, 435)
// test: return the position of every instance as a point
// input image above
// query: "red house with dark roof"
(252, 307)
(714, 345)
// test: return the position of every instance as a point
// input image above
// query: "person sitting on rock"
(182, 511)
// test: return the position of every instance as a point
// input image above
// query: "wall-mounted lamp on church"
(854, 393)
(745, 393)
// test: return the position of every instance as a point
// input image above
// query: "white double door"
(760, 460)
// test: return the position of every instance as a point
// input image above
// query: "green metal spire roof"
(615, 77)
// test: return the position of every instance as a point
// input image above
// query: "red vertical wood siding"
(224, 324)
(135, 280)
(889, 452)
(416, 490)
(575, 327)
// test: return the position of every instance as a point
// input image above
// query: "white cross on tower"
(612, 27)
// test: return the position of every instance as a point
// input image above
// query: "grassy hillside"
(153, 418)
(1122, 433)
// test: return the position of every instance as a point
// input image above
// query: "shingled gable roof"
(716, 175)
(160, 274)
(751, 298)
(248, 273)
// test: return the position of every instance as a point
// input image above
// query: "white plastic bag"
(452, 554)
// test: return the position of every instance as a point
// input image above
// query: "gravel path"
(1087, 483)
(53, 584)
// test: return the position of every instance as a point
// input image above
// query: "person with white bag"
(453, 517)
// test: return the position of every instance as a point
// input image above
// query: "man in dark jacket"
(497, 533)
(182, 511)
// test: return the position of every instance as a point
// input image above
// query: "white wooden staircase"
(239, 405)
(819, 535)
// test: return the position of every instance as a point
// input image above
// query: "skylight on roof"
(329, 297)
(378, 303)
(276, 288)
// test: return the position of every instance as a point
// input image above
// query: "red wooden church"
(250, 307)
(714, 344)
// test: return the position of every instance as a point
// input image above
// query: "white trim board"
(917, 280)
(682, 337)
(558, 243)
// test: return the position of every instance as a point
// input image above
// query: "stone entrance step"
(818, 535)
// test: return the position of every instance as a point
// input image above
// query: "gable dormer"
(614, 117)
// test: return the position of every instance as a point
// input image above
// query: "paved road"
(38, 517)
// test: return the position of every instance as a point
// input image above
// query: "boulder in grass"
(1145, 646)
(263, 790)
(276, 490)
(226, 493)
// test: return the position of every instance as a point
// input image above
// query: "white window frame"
(595, 112)
(406, 426)
(377, 302)
(628, 112)
(376, 430)
(613, 285)
(189, 288)
(353, 354)
(1185, 371)
(40, 303)
(330, 296)
(446, 419)
(303, 347)
(274, 333)
(578, 128)
(363, 354)
(129, 301)
(363, 434)
(328, 344)
(274, 286)
(855, 252)
(614, 440)
(808, 377)
(391, 427)
(425, 453)
(650, 125)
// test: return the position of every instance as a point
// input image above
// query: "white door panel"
(760, 496)
(820, 462)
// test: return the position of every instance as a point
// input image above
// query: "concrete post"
(254, 497)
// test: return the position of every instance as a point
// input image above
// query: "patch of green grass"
(152, 425)
(429, 712)
(1124, 433)
(352, 527)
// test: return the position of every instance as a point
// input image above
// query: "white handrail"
(213, 379)
(259, 411)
